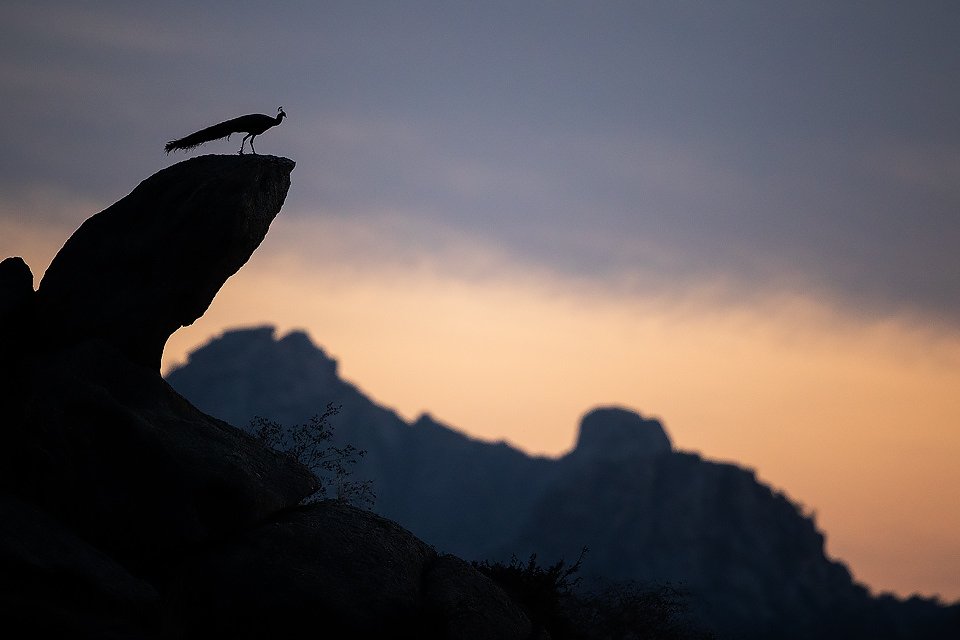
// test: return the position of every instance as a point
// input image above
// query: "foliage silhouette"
(543, 594)
(552, 599)
(310, 444)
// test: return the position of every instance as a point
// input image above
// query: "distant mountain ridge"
(751, 558)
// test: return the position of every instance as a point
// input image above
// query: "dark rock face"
(16, 287)
(125, 511)
(97, 437)
(152, 263)
(92, 592)
(613, 433)
(106, 438)
(755, 563)
(347, 573)
(16, 319)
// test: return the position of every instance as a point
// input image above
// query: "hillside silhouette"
(752, 560)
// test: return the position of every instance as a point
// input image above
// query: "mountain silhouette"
(752, 560)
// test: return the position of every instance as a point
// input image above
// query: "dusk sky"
(742, 218)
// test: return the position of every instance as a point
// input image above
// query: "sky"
(738, 217)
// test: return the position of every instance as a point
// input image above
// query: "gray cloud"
(813, 147)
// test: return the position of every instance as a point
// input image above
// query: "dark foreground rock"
(332, 569)
(153, 262)
(126, 512)
(54, 584)
(125, 461)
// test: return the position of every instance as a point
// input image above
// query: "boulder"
(95, 436)
(16, 288)
(16, 333)
(335, 571)
(117, 455)
(153, 262)
(470, 605)
(53, 584)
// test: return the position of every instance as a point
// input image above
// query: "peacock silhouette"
(252, 125)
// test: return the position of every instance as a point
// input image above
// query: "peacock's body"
(252, 125)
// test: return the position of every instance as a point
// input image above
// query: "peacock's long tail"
(217, 131)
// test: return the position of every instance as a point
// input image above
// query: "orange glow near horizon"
(856, 422)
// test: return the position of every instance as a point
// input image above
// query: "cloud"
(111, 30)
(866, 228)
(809, 150)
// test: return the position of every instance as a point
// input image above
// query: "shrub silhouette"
(543, 594)
(310, 444)
(552, 599)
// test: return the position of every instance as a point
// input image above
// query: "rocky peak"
(250, 372)
(243, 351)
(16, 295)
(614, 433)
(16, 285)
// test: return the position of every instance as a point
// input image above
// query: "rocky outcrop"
(118, 456)
(16, 288)
(52, 581)
(355, 574)
(614, 433)
(152, 263)
(125, 511)
(94, 435)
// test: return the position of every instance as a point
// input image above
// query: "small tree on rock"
(311, 445)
